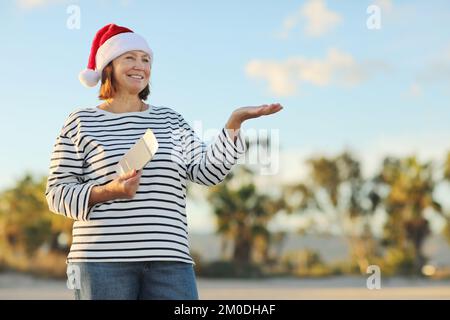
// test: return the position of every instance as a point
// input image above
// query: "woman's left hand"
(244, 113)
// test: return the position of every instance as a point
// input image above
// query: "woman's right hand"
(126, 185)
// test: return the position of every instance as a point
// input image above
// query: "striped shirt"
(152, 225)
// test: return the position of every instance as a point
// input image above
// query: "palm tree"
(242, 215)
(337, 190)
(410, 186)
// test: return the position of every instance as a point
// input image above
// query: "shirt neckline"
(112, 114)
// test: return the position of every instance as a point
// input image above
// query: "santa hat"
(110, 42)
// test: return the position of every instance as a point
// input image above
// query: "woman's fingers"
(274, 106)
(133, 182)
(267, 109)
(126, 175)
(245, 113)
(130, 174)
(136, 176)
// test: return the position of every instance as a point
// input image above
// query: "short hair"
(108, 87)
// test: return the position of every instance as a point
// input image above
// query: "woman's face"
(132, 71)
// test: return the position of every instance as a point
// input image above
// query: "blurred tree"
(447, 167)
(242, 214)
(337, 190)
(446, 231)
(409, 187)
(26, 224)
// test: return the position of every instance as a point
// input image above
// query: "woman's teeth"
(136, 77)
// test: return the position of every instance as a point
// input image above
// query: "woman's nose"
(138, 66)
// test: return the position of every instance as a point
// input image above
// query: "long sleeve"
(209, 165)
(66, 192)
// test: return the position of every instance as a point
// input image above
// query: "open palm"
(245, 113)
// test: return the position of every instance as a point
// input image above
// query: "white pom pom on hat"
(110, 42)
(89, 78)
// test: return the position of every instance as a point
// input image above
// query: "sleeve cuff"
(86, 209)
(239, 148)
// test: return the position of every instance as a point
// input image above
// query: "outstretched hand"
(244, 113)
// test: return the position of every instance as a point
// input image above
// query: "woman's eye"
(129, 58)
(146, 60)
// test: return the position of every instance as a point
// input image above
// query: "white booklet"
(139, 154)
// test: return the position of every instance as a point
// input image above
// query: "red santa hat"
(110, 42)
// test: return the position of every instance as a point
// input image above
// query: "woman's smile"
(135, 78)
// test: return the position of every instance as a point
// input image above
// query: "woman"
(130, 235)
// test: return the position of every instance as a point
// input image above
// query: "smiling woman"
(130, 235)
(112, 75)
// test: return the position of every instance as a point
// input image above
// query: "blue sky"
(375, 91)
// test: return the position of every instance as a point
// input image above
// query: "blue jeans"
(159, 280)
